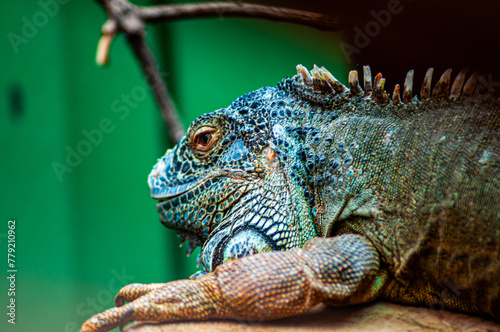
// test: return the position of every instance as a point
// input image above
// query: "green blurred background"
(84, 231)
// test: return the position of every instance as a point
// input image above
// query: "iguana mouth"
(168, 193)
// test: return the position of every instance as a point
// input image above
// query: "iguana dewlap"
(313, 192)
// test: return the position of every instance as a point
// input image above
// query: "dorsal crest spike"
(332, 81)
(367, 79)
(425, 92)
(315, 73)
(319, 81)
(396, 98)
(458, 83)
(379, 95)
(442, 88)
(482, 88)
(376, 79)
(408, 87)
(471, 84)
(355, 88)
(304, 74)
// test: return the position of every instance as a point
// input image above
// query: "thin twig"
(167, 107)
(108, 33)
(154, 14)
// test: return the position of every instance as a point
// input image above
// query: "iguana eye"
(204, 139)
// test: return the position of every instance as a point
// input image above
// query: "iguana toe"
(133, 291)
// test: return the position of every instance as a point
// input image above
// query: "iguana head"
(230, 185)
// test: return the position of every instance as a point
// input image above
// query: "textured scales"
(313, 192)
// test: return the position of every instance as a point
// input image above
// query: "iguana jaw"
(197, 210)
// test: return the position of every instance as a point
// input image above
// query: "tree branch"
(167, 106)
(156, 14)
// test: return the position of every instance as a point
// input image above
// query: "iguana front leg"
(338, 270)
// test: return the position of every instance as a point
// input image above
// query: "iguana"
(311, 192)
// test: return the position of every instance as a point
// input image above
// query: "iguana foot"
(271, 285)
(177, 300)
